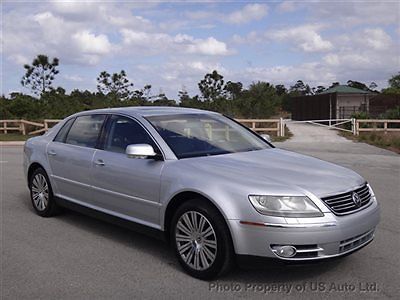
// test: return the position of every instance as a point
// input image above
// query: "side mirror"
(140, 151)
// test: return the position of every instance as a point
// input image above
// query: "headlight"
(371, 190)
(285, 206)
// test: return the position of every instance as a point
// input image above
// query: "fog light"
(285, 251)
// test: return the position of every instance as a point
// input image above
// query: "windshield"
(190, 135)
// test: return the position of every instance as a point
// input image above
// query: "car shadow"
(160, 250)
(279, 272)
(127, 237)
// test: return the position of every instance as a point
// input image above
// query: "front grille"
(307, 251)
(355, 241)
(343, 204)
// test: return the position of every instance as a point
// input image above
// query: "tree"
(143, 94)
(116, 85)
(318, 89)
(334, 84)
(233, 89)
(260, 100)
(280, 89)
(394, 81)
(394, 85)
(300, 88)
(357, 85)
(183, 95)
(212, 86)
(40, 75)
(372, 86)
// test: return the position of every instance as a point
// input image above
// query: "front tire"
(201, 240)
(42, 194)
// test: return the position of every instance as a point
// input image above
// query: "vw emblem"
(356, 199)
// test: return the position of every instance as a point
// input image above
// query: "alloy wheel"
(40, 192)
(196, 240)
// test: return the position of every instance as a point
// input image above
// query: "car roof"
(145, 111)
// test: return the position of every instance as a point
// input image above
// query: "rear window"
(85, 131)
(62, 134)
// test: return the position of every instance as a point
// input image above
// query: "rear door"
(127, 186)
(70, 156)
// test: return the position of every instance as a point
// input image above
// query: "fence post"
(282, 122)
(278, 127)
(5, 127)
(353, 126)
(385, 126)
(22, 126)
(357, 127)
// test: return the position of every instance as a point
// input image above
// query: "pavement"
(73, 256)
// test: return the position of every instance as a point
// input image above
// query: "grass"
(389, 140)
(287, 136)
(13, 137)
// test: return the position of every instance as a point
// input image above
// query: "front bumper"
(336, 236)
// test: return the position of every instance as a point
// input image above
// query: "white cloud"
(338, 46)
(332, 59)
(370, 48)
(75, 9)
(104, 14)
(154, 43)
(305, 37)
(249, 38)
(209, 46)
(19, 59)
(90, 43)
(312, 73)
(377, 38)
(351, 13)
(250, 12)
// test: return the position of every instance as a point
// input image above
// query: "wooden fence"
(276, 126)
(24, 127)
(370, 125)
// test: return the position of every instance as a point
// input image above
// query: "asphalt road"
(73, 256)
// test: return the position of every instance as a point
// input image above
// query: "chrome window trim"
(105, 120)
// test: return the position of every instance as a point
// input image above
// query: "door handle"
(52, 153)
(99, 162)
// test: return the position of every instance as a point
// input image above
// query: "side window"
(62, 133)
(85, 131)
(124, 131)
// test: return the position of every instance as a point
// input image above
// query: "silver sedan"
(215, 190)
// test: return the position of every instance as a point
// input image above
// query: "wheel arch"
(32, 167)
(181, 197)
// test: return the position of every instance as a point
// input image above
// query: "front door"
(129, 187)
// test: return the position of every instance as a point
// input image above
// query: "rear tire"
(42, 197)
(201, 240)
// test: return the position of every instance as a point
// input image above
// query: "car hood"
(277, 167)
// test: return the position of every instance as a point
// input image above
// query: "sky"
(172, 45)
